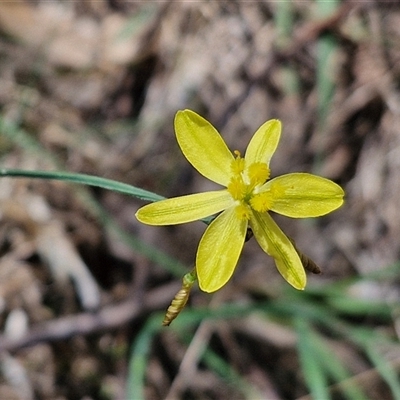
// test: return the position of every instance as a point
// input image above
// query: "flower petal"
(179, 210)
(219, 250)
(203, 146)
(264, 142)
(275, 243)
(301, 195)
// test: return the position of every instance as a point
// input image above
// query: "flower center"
(244, 186)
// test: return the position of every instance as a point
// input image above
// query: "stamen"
(258, 173)
(262, 202)
(237, 188)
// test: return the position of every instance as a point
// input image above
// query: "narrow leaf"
(84, 179)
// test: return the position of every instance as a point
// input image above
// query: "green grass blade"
(386, 370)
(371, 342)
(336, 369)
(325, 79)
(284, 21)
(315, 376)
(326, 49)
(221, 367)
(349, 305)
(89, 180)
(84, 179)
(138, 20)
(139, 358)
(320, 362)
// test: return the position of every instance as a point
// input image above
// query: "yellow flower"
(246, 199)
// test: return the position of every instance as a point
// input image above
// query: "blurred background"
(93, 87)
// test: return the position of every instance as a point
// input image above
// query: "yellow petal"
(203, 146)
(179, 210)
(219, 250)
(301, 195)
(264, 142)
(275, 243)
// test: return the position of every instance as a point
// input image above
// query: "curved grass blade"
(315, 376)
(84, 179)
(90, 180)
(227, 372)
(139, 358)
(326, 50)
(380, 350)
(386, 370)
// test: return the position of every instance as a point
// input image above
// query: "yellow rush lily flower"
(246, 199)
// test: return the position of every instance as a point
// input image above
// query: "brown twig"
(109, 317)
